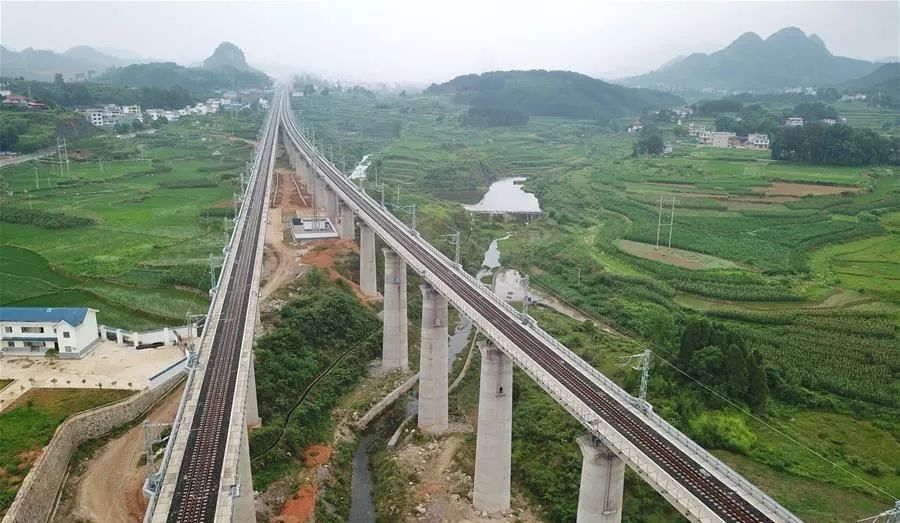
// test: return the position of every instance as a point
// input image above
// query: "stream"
(362, 506)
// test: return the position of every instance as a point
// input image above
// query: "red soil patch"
(315, 455)
(803, 189)
(300, 508)
(323, 254)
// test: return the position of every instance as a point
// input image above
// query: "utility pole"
(411, 209)
(453, 239)
(37, 183)
(671, 222)
(380, 186)
(641, 363)
(659, 222)
(526, 298)
(398, 194)
(66, 151)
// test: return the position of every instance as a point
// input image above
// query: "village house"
(32, 331)
(793, 122)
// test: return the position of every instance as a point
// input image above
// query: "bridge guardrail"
(622, 396)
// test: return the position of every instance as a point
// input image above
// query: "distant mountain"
(35, 64)
(89, 54)
(885, 79)
(225, 69)
(227, 55)
(552, 93)
(787, 58)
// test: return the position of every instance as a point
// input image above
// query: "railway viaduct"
(205, 474)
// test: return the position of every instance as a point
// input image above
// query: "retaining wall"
(37, 495)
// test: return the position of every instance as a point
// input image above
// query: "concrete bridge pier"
(367, 278)
(347, 228)
(395, 347)
(251, 409)
(602, 483)
(244, 505)
(493, 446)
(433, 364)
(119, 338)
(331, 205)
(321, 192)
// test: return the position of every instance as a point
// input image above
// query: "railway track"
(197, 489)
(719, 497)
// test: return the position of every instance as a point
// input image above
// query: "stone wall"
(37, 495)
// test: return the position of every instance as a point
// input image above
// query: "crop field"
(28, 425)
(129, 227)
(800, 260)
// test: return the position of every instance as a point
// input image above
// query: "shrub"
(44, 219)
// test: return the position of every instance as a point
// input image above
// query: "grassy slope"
(28, 425)
(147, 236)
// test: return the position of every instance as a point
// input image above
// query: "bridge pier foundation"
(433, 364)
(602, 483)
(395, 347)
(251, 409)
(347, 228)
(244, 506)
(493, 446)
(367, 277)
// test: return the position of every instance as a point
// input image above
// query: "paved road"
(13, 160)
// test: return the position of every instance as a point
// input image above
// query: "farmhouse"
(32, 331)
(793, 122)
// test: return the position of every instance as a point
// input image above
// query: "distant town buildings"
(758, 140)
(683, 112)
(858, 97)
(636, 126)
(793, 122)
(695, 129)
(829, 121)
(21, 101)
(110, 115)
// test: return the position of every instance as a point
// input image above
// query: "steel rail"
(562, 365)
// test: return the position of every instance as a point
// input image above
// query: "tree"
(137, 125)
(122, 128)
(757, 385)
(649, 142)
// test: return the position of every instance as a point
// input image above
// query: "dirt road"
(109, 490)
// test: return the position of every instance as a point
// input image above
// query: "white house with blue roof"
(32, 331)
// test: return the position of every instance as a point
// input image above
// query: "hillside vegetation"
(26, 131)
(552, 93)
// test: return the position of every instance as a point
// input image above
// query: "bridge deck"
(694, 481)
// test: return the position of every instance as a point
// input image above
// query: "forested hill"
(885, 79)
(224, 69)
(787, 58)
(553, 93)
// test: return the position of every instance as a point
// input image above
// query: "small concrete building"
(32, 331)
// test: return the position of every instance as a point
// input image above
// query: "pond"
(507, 196)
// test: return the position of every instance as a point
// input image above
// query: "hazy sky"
(434, 40)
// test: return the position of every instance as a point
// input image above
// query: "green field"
(155, 206)
(800, 261)
(28, 425)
